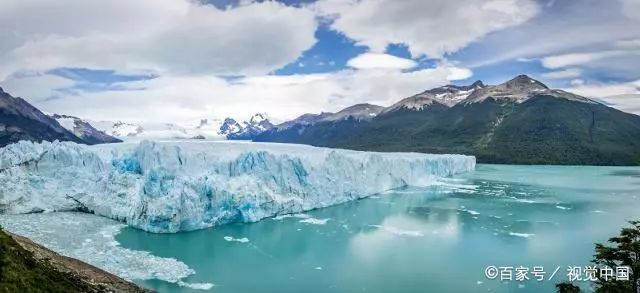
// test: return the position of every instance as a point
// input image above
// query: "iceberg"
(172, 186)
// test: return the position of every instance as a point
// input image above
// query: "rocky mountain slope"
(19, 120)
(84, 130)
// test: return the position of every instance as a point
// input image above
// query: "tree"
(624, 251)
(567, 287)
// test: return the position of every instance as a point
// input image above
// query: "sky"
(183, 60)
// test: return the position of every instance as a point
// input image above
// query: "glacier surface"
(172, 186)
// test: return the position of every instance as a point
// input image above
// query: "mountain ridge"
(520, 121)
(19, 120)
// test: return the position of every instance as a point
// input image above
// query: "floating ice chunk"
(524, 235)
(318, 268)
(91, 239)
(562, 207)
(299, 216)
(314, 221)
(181, 186)
(472, 212)
(526, 200)
(241, 240)
(398, 231)
(196, 286)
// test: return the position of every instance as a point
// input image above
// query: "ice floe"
(91, 239)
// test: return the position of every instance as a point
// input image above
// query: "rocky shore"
(26, 265)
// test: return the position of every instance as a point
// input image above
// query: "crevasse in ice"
(179, 186)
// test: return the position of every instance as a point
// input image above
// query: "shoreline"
(89, 274)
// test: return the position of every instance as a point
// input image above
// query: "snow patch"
(91, 239)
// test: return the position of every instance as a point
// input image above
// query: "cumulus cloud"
(381, 61)
(186, 98)
(431, 28)
(176, 36)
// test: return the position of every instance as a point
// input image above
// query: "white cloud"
(457, 73)
(631, 8)
(577, 82)
(630, 43)
(599, 90)
(563, 27)
(571, 59)
(560, 74)
(380, 61)
(628, 102)
(34, 86)
(177, 36)
(185, 98)
(431, 28)
(623, 96)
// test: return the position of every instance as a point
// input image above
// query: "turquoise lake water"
(436, 239)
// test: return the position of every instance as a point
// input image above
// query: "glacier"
(172, 186)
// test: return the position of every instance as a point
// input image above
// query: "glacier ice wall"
(179, 186)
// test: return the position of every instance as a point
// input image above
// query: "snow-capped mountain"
(19, 120)
(84, 129)
(520, 89)
(204, 129)
(230, 126)
(520, 121)
(304, 119)
(447, 95)
(357, 112)
(257, 124)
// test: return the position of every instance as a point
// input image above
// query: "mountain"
(207, 128)
(304, 119)
(19, 120)
(84, 130)
(136, 131)
(257, 124)
(521, 121)
(448, 95)
(230, 126)
(355, 112)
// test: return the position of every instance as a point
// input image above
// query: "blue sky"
(185, 60)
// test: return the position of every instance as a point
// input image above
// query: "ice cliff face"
(178, 186)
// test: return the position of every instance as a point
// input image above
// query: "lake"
(435, 239)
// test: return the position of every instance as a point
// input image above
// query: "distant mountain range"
(521, 121)
(19, 120)
(207, 128)
(257, 124)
